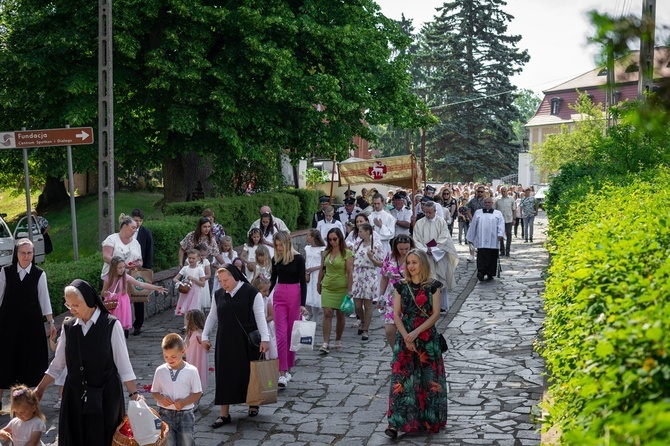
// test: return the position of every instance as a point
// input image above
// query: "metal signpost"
(24, 139)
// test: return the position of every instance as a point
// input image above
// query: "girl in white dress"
(28, 424)
(263, 266)
(229, 255)
(205, 296)
(263, 286)
(313, 254)
(249, 251)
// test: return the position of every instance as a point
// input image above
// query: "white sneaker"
(471, 259)
(352, 315)
(281, 382)
(288, 376)
(57, 405)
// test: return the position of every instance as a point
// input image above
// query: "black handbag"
(444, 347)
(254, 337)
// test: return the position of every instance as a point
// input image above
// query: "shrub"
(607, 343)
(61, 274)
(167, 233)
(309, 204)
(237, 213)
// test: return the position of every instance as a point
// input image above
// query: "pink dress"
(190, 300)
(122, 312)
(395, 272)
(197, 356)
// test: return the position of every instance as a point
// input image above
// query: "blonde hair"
(265, 252)
(260, 281)
(21, 394)
(288, 253)
(424, 273)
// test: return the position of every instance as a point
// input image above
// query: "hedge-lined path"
(494, 375)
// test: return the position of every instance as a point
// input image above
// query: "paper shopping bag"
(302, 335)
(142, 275)
(145, 423)
(263, 382)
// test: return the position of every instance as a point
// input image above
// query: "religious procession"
(391, 258)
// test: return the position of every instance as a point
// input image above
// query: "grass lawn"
(87, 219)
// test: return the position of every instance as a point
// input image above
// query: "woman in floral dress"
(392, 272)
(418, 395)
(368, 254)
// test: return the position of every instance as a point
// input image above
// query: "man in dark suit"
(146, 241)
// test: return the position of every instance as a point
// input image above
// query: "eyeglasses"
(72, 307)
(402, 239)
(480, 191)
(333, 239)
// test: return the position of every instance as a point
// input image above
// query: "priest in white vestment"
(486, 231)
(431, 235)
(382, 223)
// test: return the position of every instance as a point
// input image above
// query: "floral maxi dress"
(418, 394)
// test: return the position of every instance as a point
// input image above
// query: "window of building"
(633, 68)
(556, 105)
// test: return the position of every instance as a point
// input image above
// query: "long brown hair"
(341, 245)
(424, 273)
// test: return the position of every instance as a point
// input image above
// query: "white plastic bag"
(302, 335)
(145, 424)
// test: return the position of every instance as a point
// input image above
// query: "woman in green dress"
(334, 283)
(418, 395)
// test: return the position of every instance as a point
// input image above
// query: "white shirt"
(506, 206)
(403, 214)
(485, 229)
(42, 289)
(387, 230)
(187, 382)
(276, 220)
(323, 227)
(346, 216)
(259, 314)
(119, 350)
(130, 252)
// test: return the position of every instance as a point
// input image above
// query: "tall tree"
(527, 103)
(233, 82)
(469, 59)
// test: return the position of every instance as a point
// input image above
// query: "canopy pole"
(332, 179)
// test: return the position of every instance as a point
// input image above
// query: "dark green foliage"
(309, 204)
(607, 344)
(61, 274)
(167, 233)
(469, 58)
(236, 214)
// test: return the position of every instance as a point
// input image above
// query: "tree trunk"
(182, 174)
(54, 193)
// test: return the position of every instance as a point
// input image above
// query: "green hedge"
(167, 233)
(236, 214)
(607, 326)
(309, 204)
(61, 274)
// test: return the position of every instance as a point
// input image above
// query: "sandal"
(365, 336)
(324, 349)
(221, 421)
(338, 344)
(253, 411)
(391, 432)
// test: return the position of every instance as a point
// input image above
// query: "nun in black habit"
(94, 349)
(24, 304)
(239, 309)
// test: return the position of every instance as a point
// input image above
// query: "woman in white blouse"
(122, 244)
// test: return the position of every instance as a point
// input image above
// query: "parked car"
(8, 240)
(540, 195)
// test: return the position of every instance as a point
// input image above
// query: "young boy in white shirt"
(176, 388)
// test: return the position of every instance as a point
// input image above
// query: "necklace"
(175, 373)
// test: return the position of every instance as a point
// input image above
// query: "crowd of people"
(395, 253)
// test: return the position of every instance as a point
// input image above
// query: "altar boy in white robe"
(382, 222)
(431, 234)
(486, 231)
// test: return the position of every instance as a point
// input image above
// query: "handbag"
(144, 275)
(302, 335)
(347, 306)
(444, 347)
(253, 337)
(145, 424)
(263, 376)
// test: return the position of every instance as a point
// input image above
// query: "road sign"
(46, 138)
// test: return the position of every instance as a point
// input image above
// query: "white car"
(540, 195)
(8, 242)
